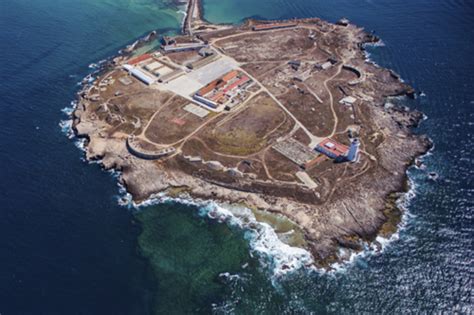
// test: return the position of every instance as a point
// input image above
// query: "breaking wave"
(278, 258)
(367, 53)
(380, 244)
(274, 256)
(66, 124)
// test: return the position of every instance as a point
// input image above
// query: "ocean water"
(68, 247)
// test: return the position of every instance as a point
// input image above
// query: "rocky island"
(286, 117)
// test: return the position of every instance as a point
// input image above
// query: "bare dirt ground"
(172, 123)
(249, 130)
(184, 57)
(229, 156)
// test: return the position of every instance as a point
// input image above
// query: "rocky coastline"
(354, 213)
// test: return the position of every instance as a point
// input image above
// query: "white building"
(348, 100)
(326, 65)
(140, 75)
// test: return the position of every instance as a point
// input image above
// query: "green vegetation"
(239, 142)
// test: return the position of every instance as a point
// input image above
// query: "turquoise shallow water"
(68, 248)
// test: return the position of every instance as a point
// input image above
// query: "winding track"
(314, 139)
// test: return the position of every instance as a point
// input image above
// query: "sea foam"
(381, 243)
(274, 256)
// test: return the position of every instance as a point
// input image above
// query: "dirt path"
(183, 140)
(267, 172)
(142, 134)
(303, 127)
(331, 100)
(314, 139)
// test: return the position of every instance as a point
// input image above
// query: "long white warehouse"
(140, 75)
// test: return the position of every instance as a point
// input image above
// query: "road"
(314, 139)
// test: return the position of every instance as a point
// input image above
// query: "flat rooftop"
(332, 148)
(189, 83)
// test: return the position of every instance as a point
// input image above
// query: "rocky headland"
(306, 61)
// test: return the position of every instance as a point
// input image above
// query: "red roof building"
(139, 59)
(331, 148)
(229, 76)
(238, 83)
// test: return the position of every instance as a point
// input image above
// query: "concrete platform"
(188, 84)
(196, 110)
(305, 179)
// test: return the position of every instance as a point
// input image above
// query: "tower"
(353, 153)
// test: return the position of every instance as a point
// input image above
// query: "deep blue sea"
(68, 247)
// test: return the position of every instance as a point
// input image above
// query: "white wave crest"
(66, 128)
(66, 124)
(274, 255)
(367, 54)
(350, 257)
(279, 257)
(379, 43)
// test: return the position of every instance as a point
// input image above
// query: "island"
(287, 117)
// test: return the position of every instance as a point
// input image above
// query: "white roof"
(139, 74)
(330, 145)
(188, 84)
(348, 100)
(326, 65)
